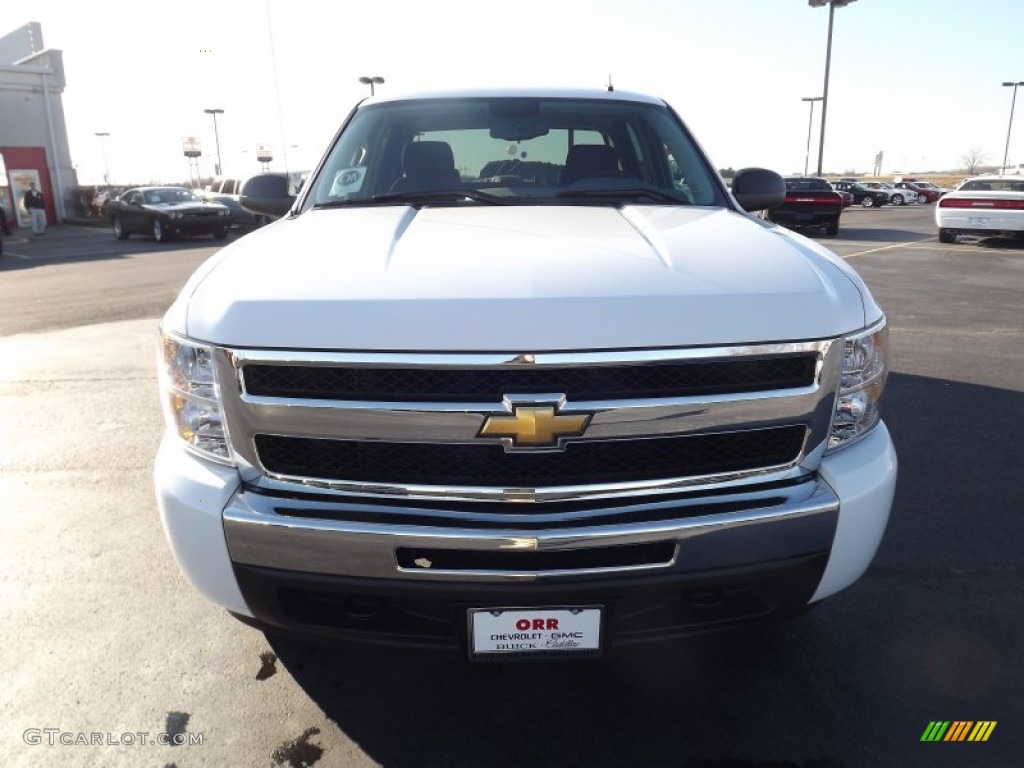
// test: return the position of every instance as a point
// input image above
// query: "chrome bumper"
(329, 535)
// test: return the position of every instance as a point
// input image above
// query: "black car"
(809, 202)
(865, 196)
(164, 212)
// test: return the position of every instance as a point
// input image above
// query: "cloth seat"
(427, 165)
(586, 160)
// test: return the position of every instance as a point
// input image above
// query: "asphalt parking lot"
(101, 635)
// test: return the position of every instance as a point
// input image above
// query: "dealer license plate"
(979, 221)
(501, 633)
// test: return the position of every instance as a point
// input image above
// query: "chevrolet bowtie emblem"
(534, 426)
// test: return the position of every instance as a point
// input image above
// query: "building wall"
(32, 116)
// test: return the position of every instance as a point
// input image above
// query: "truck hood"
(519, 279)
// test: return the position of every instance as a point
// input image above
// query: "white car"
(982, 205)
(897, 196)
(517, 374)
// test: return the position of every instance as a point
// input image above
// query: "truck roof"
(470, 93)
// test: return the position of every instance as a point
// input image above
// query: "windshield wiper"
(342, 203)
(417, 198)
(432, 195)
(631, 193)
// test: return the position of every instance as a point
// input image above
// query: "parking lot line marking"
(22, 256)
(889, 247)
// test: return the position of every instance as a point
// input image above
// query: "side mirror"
(267, 195)
(758, 188)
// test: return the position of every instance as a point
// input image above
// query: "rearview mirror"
(519, 129)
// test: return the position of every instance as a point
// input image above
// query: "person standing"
(35, 204)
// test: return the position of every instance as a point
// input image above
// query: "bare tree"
(973, 159)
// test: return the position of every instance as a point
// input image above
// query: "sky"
(919, 80)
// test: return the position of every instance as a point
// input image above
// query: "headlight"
(188, 383)
(865, 368)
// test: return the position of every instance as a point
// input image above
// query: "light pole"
(106, 170)
(810, 120)
(1013, 103)
(832, 5)
(216, 136)
(371, 80)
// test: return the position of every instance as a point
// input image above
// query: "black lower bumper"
(434, 615)
(197, 229)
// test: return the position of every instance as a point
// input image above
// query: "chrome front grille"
(581, 463)
(411, 425)
(676, 378)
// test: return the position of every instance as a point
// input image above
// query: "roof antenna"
(610, 86)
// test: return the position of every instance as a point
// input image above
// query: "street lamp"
(832, 5)
(106, 170)
(216, 136)
(810, 120)
(371, 80)
(1013, 103)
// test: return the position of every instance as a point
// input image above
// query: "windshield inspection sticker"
(536, 631)
(347, 181)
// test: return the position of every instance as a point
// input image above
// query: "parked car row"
(171, 211)
(897, 195)
(902, 191)
(926, 191)
(863, 195)
(813, 202)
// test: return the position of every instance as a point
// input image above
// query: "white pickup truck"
(516, 373)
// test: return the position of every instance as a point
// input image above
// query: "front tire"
(119, 231)
(159, 233)
(947, 236)
(897, 200)
(220, 234)
(922, 199)
(868, 202)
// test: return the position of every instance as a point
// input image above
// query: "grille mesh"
(673, 379)
(582, 463)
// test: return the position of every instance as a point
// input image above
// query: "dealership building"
(33, 134)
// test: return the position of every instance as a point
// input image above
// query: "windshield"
(169, 195)
(514, 151)
(993, 185)
(808, 185)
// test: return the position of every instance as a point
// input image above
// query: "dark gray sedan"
(165, 212)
